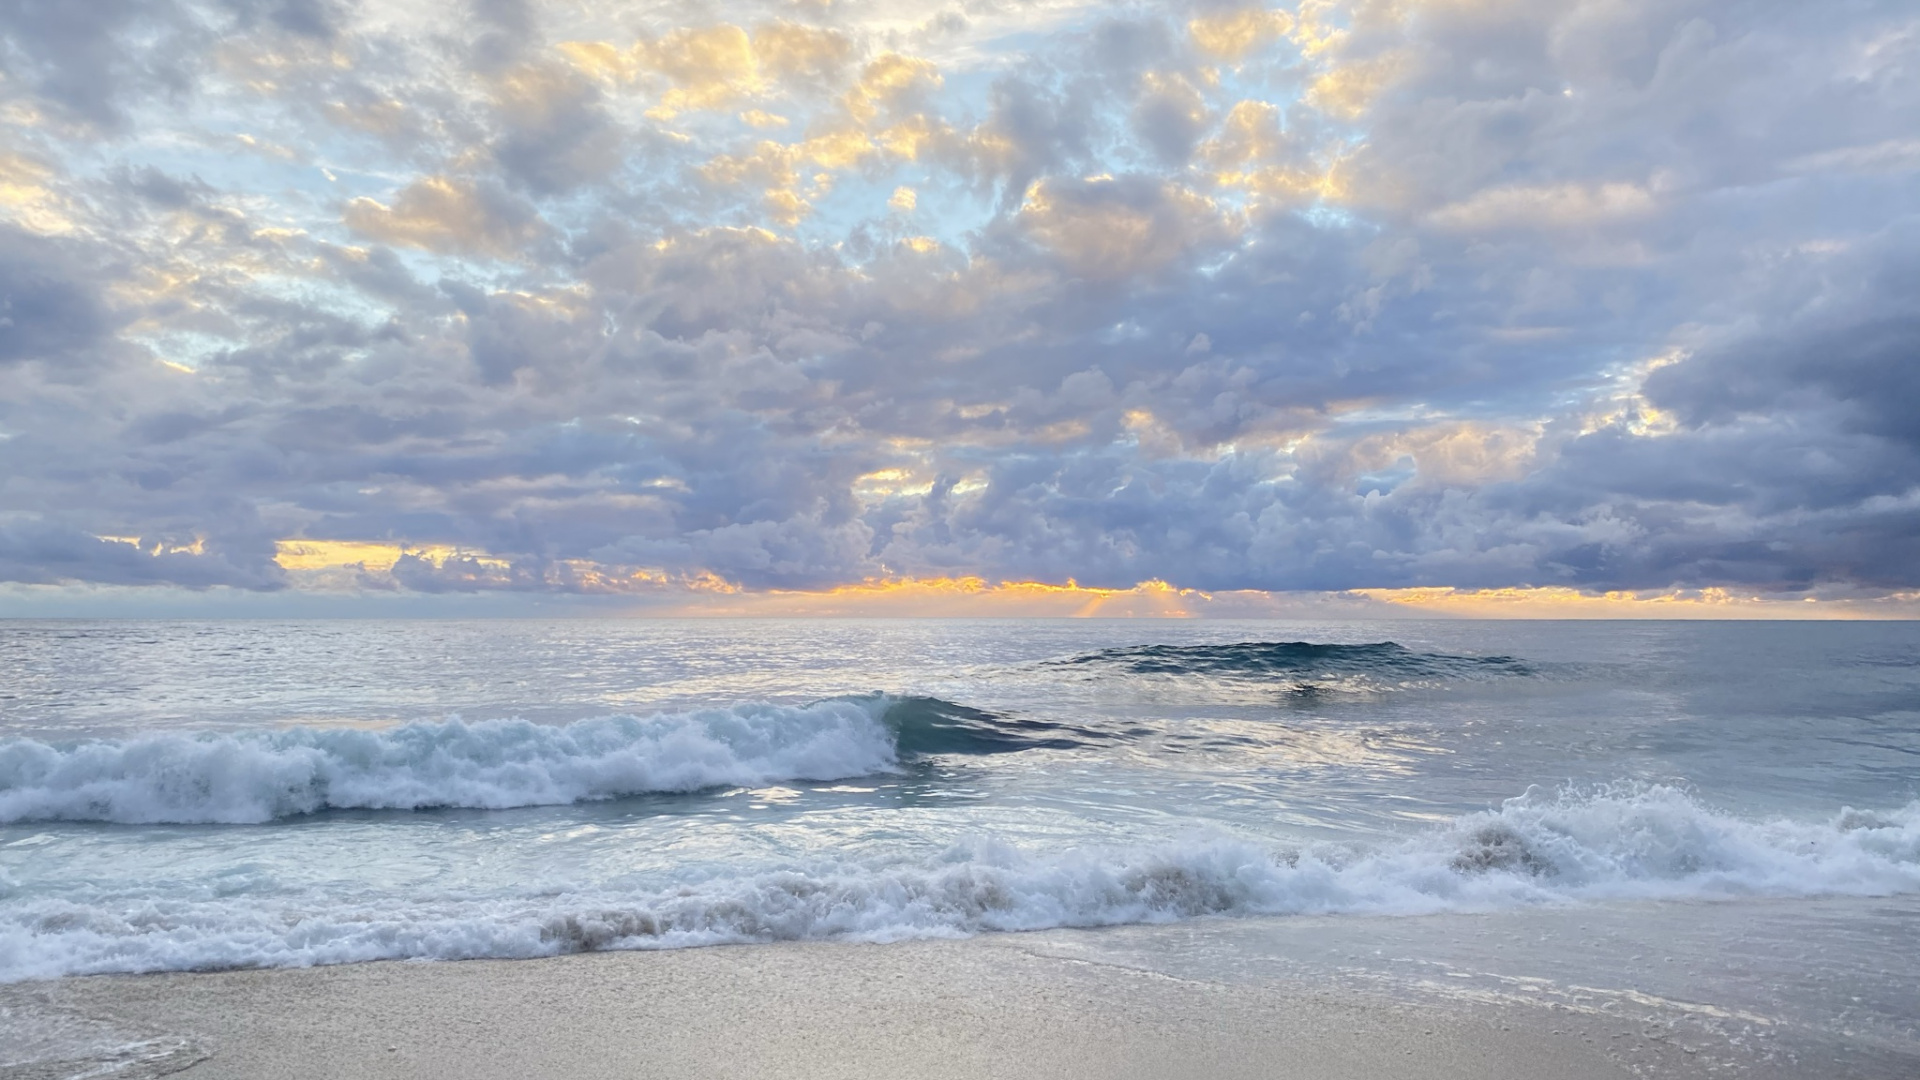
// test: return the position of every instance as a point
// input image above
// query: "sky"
(1345, 307)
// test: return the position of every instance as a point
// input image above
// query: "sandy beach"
(1658, 991)
(925, 1009)
(1058, 1004)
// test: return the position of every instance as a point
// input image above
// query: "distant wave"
(493, 764)
(925, 725)
(1651, 843)
(1303, 665)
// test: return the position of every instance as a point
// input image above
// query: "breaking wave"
(1649, 843)
(488, 764)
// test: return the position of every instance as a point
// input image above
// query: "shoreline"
(1648, 989)
(1581, 992)
(997, 1005)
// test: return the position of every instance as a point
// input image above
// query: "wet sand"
(1000, 1006)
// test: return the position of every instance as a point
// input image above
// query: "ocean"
(197, 796)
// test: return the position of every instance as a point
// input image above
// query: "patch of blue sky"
(853, 200)
(988, 48)
(185, 350)
(990, 57)
(1324, 215)
(1383, 481)
(574, 213)
(964, 93)
(1387, 417)
(221, 160)
(327, 294)
(478, 271)
(1264, 79)
(944, 209)
(1211, 267)
(353, 155)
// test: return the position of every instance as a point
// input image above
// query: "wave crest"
(250, 778)
(1642, 843)
(243, 778)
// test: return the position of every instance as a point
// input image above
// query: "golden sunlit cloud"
(1102, 234)
(444, 214)
(760, 118)
(961, 597)
(371, 555)
(1253, 153)
(28, 196)
(157, 548)
(1348, 89)
(1231, 35)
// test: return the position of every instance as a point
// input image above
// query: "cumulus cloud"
(1324, 296)
(447, 215)
(1110, 227)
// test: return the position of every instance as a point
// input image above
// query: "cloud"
(33, 551)
(49, 312)
(1232, 34)
(534, 301)
(84, 64)
(1170, 117)
(1109, 227)
(448, 215)
(712, 67)
(1559, 207)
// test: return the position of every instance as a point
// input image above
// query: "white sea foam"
(1645, 843)
(489, 764)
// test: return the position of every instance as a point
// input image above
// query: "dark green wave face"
(1385, 659)
(927, 725)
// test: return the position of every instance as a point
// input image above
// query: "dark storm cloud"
(1602, 295)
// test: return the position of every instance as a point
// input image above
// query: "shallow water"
(187, 796)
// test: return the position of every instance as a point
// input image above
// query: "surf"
(1623, 842)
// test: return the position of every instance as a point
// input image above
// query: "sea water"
(214, 795)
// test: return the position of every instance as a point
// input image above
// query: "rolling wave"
(487, 764)
(1641, 843)
(1303, 666)
(925, 725)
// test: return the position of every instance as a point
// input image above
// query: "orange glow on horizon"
(336, 565)
(978, 597)
(1561, 602)
(965, 596)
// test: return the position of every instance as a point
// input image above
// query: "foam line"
(1644, 843)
